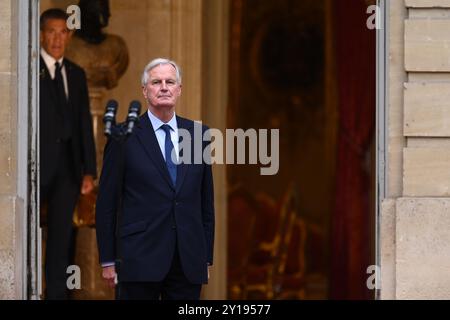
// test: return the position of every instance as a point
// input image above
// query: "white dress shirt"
(50, 63)
(161, 135)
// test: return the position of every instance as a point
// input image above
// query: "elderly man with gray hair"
(164, 246)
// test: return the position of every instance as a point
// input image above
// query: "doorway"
(313, 215)
(307, 68)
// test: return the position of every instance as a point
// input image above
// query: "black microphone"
(109, 119)
(133, 115)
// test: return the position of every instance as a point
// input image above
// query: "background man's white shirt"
(50, 63)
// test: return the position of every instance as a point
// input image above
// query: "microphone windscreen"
(135, 106)
(112, 105)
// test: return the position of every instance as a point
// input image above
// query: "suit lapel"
(45, 76)
(70, 81)
(146, 136)
(71, 87)
(182, 168)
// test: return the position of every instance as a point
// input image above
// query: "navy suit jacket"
(83, 146)
(156, 215)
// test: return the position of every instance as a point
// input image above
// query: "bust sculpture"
(95, 16)
(103, 56)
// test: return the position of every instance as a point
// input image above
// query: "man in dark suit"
(166, 228)
(67, 148)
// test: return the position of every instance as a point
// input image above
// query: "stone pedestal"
(97, 97)
(104, 64)
(86, 253)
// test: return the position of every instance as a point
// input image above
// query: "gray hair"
(157, 62)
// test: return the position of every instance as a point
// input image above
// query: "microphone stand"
(120, 136)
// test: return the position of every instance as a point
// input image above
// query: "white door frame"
(29, 259)
(382, 65)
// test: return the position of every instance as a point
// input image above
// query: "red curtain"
(350, 226)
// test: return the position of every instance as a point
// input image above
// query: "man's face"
(54, 37)
(162, 89)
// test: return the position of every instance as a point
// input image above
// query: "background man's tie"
(168, 145)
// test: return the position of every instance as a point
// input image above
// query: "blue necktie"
(168, 146)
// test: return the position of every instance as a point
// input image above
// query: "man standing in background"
(67, 148)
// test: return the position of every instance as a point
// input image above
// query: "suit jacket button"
(174, 227)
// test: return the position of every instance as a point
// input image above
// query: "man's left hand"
(87, 185)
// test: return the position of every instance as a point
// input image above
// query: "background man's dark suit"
(82, 140)
(63, 162)
(157, 217)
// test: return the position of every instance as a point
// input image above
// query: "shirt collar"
(157, 123)
(49, 60)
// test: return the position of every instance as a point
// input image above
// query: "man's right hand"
(109, 274)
